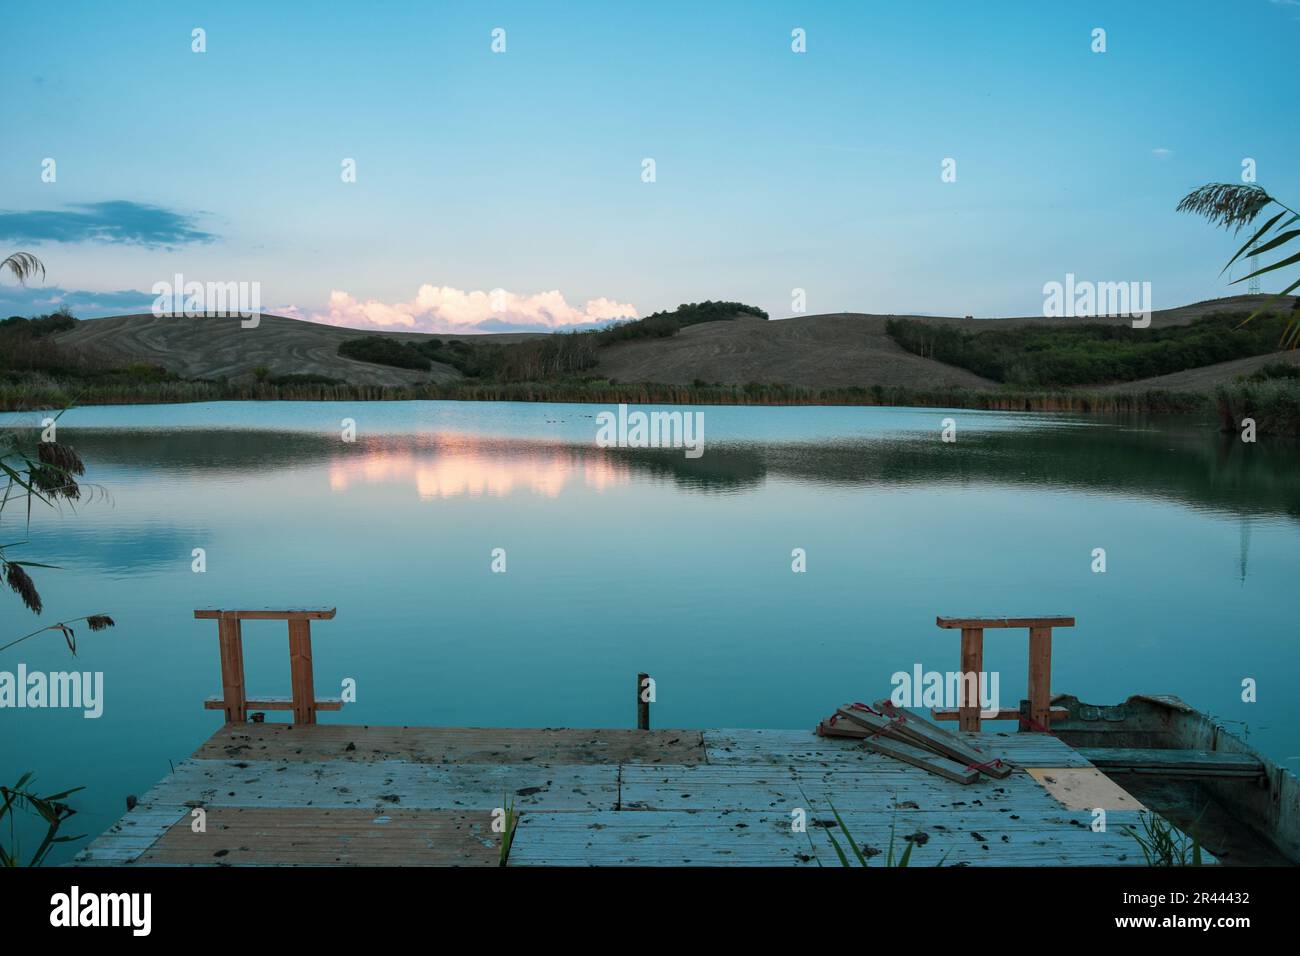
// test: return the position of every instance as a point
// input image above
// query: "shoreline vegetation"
(1091, 354)
(52, 393)
(1080, 370)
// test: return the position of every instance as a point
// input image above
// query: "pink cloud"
(444, 309)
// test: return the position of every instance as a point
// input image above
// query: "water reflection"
(1190, 465)
(447, 466)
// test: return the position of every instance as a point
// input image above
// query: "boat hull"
(1187, 767)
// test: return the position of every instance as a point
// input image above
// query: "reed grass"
(1273, 404)
(508, 834)
(51, 809)
(47, 393)
(891, 860)
(46, 474)
(1163, 844)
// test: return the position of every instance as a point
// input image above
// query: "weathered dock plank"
(757, 788)
(133, 834)
(312, 836)
(804, 746)
(393, 783)
(1038, 837)
(738, 838)
(453, 744)
(658, 839)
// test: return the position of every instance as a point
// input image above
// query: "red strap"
(890, 721)
(891, 724)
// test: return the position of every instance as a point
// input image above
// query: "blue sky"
(522, 170)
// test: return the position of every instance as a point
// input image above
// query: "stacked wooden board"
(893, 732)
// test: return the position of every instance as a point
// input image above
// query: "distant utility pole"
(1252, 287)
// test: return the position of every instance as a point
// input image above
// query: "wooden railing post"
(642, 704)
(1040, 679)
(231, 637)
(300, 672)
(972, 663)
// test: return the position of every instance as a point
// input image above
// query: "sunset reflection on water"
(453, 465)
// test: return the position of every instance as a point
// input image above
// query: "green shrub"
(39, 326)
(382, 350)
(667, 324)
(1272, 372)
(1087, 354)
(1274, 404)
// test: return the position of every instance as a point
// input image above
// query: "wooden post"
(642, 705)
(1040, 678)
(300, 672)
(972, 662)
(232, 669)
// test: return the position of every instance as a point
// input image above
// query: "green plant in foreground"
(508, 834)
(1163, 844)
(1233, 206)
(23, 265)
(890, 860)
(49, 808)
(96, 622)
(48, 475)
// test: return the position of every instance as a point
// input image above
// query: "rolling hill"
(816, 351)
(213, 348)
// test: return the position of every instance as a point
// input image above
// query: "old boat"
(1191, 770)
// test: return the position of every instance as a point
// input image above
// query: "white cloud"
(1161, 153)
(444, 309)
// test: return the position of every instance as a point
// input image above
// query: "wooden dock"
(276, 794)
(279, 794)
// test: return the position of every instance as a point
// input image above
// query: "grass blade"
(853, 844)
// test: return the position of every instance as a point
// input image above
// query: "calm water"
(621, 561)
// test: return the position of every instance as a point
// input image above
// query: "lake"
(621, 560)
